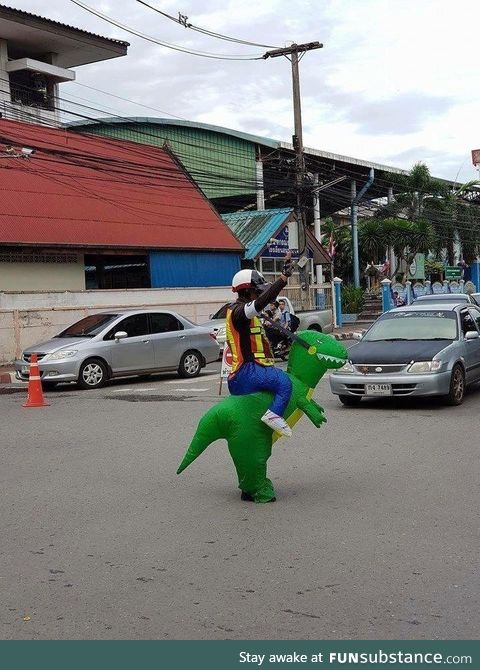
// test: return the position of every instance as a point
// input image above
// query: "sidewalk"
(346, 331)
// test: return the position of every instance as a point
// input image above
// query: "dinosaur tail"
(208, 431)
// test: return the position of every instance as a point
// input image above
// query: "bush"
(352, 299)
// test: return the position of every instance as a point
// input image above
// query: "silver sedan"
(119, 344)
(420, 350)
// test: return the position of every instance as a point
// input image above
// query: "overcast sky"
(396, 82)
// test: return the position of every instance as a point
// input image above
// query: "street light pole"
(296, 51)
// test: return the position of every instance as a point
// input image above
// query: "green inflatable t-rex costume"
(237, 418)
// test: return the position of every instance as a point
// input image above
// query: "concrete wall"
(42, 276)
(27, 318)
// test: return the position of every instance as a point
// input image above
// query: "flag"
(331, 246)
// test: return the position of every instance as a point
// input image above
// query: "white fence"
(28, 318)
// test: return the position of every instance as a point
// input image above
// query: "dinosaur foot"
(247, 496)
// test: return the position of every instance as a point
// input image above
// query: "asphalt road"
(375, 532)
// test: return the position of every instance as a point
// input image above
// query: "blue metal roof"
(255, 229)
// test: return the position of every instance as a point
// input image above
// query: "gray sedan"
(420, 350)
(119, 344)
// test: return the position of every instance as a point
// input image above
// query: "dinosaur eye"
(312, 350)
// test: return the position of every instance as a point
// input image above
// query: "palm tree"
(407, 238)
(451, 212)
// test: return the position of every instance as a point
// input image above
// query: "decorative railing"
(315, 296)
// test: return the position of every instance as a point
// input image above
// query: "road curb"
(349, 335)
(343, 336)
(7, 378)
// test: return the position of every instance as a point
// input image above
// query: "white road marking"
(137, 390)
(190, 389)
(183, 381)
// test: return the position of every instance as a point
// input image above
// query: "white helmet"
(249, 279)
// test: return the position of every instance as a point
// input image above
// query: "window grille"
(33, 257)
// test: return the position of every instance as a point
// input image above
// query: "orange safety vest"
(256, 346)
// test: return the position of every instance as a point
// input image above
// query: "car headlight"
(425, 366)
(348, 367)
(60, 355)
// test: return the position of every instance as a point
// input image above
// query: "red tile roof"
(86, 191)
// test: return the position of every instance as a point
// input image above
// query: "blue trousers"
(252, 377)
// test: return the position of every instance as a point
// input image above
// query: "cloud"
(406, 113)
(395, 81)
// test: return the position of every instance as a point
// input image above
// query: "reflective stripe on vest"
(259, 344)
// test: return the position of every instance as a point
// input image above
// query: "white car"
(319, 320)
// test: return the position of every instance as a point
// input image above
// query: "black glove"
(287, 269)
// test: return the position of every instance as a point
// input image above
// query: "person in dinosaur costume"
(250, 442)
(253, 364)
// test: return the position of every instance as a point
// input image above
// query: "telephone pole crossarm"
(287, 51)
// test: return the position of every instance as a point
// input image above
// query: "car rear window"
(222, 313)
(410, 325)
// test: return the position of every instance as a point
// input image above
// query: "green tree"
(407, 238)
(451, 212)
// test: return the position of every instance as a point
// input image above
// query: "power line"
(154, 40)
(182, 20)
(233, 181)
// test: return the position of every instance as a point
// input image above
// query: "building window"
(116, 272)
(271, 268)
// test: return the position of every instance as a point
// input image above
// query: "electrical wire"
(154, 40)
(182, 21)
(343, 194)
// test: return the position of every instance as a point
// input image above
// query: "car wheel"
(93, 374)
(457, 386)
(349, 400)
(190, 364)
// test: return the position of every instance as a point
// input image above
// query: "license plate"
(378, 389)
(25, 369)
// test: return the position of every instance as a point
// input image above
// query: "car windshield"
(89, 326)
(410, 325)
(222, 313)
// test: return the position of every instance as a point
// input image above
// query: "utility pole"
(354, 215)
(296, 51)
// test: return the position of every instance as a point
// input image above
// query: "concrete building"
(38, 54)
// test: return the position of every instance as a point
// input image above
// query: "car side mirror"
(471, 335)
(120, 335)
(357, 336)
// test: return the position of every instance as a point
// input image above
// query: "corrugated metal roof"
(255, 229)
(255, 139)
(93, 191)
(21, 12)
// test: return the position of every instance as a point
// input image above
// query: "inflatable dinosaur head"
(314, 355)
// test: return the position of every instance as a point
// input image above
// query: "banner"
(239, 654)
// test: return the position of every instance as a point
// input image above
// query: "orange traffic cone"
(35, 393)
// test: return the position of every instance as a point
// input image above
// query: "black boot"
(247, 496)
